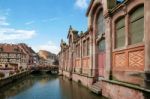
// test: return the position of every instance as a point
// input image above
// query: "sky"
(41, 23)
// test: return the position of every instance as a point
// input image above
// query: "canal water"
(46, 87)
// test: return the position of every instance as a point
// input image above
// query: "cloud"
(49, 46)
(82, 4)
(9, 34)
(3, 21)
(30, 22)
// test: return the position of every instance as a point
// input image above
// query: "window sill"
(129, 47)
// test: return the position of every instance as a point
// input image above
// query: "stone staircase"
(96, 88)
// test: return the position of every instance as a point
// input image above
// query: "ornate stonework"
(136, 59)
(120, 60)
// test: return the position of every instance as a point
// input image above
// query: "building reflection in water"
(45, 87)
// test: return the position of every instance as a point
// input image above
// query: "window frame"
(115, 32)
(130, 22)
(97, 23)
(127, 29)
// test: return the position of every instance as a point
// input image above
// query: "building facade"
(32, 56)
(12, 57)
(113, 52)
(16, 56)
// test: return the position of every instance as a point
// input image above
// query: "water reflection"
(45, 87)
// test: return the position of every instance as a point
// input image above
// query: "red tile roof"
(10, 48)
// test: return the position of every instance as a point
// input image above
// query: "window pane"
(102, 45)
(120, 37)
(137, 26)
(84, 48)
(88, 47)
(137, 29)
(137, 14)
(120, 33)
(101, 24)
(120, 23)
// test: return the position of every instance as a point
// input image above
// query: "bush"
(2, 75)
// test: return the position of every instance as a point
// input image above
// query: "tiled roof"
(28, 50)
(10, 48)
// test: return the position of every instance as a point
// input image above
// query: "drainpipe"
(147, 42)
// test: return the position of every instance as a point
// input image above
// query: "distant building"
(16, 56)
(32, 57)
(12, 57)
(46, 58)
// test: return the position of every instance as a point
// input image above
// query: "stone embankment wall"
(5, 81)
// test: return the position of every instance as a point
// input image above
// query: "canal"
(46, 87)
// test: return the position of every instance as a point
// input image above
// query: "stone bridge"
(45, 69)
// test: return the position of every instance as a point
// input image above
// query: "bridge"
(45, 69)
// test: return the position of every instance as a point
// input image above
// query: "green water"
(46, 87)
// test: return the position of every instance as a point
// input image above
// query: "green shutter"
(137, 26)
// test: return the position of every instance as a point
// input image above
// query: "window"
(101, 45)
(120, 33)
(70, 39)
(1, 49)
(101, 23)
(78, 50)
(88, 47)
(84, 48)
(16, 49)
(136, 25)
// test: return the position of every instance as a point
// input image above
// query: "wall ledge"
(127, 85)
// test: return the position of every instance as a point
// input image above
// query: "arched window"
(88, 47)
(101, 23)
(84, 48)
(136, 25)
(120, 33)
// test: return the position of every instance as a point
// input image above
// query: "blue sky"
(41, 23)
